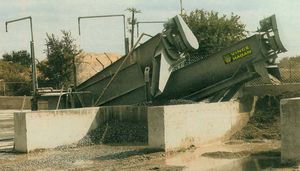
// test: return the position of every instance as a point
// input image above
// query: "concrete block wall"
(14, 102)
(49, 129)
(169, 127)
(53, 128)
(180, 126)
(290, 130)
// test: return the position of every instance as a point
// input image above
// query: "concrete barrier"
(169, 127)
(53, 128)
(290, 130)
(180, 126)
(49, 129)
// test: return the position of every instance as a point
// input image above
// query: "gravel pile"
(116, 132)
(265, 122)
(179, 101)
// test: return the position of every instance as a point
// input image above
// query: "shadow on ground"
(126, 154)
(253, 160)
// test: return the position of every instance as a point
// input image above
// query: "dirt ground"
(249, 149)
(237, 155)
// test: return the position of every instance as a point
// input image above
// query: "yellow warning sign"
(237, 54)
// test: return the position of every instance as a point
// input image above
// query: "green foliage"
(15, 72)
(58, 69)
(16, 77)
(214, 32)
(21, 57)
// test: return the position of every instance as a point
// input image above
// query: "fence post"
(290, 67)
(4, 88)
(23, 103)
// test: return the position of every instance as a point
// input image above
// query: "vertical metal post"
(4, 87)
(124, 33)
(181, 9)
(132, 29)
(290, 69)
(75, 74)
(34, 105)
(34, 81)
(137, 29)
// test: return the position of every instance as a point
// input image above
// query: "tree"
(214, 32)
(15, 72)
(21, 57)
(16, 77)
(59, 70)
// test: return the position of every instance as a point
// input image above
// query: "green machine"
(156, 70)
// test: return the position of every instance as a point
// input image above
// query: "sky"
(106, 34)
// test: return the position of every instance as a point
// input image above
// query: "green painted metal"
(129, 84)
(155, 72)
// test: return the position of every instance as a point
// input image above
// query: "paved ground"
(234, 155)
(6, 129)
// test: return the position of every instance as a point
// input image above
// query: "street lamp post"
(34, 105)
(104, 16)
(146, 22)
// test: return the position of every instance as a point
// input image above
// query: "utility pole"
(181, 9)
(133, 22)
(34, 105)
